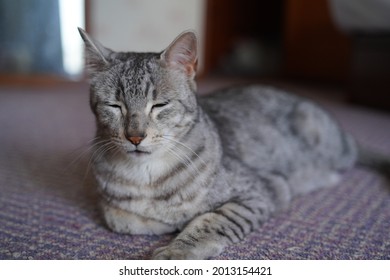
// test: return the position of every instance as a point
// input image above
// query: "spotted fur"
(215, 168)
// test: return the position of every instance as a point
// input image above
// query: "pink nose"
(136, 140)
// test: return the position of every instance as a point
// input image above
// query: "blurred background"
(340, 47)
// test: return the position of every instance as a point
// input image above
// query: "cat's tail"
(374, 160)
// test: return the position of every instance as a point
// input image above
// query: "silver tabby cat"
(214, 168)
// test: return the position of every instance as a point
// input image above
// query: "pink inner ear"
(182, 58)
(191, 69)
(182, 53)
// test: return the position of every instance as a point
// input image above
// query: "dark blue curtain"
(30, 37)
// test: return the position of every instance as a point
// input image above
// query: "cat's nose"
(136, 140)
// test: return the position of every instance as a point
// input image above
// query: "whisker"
(185, 146)
(183, 157)
(84, 153)
(192, 151)
(98, 153)
(186, 161)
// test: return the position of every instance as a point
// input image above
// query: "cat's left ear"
(182, 53)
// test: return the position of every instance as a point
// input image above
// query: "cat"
(215, 167)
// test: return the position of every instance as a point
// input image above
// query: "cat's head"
(142, 99)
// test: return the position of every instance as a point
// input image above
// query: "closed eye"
(116, 106)
(159, 105)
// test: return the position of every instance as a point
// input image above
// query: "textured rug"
(48, 207)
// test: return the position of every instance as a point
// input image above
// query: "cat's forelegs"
(207, 235)
(250, 206)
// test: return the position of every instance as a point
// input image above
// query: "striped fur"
(214, 168)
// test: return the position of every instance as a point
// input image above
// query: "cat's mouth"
(138, 152)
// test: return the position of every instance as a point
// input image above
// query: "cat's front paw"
(169, 253)
(122, 221)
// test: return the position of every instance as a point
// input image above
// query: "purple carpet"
(48, 207)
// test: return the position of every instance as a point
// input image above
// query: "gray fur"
(216, 167)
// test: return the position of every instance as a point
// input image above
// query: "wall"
(145, 25)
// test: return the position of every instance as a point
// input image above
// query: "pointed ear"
(182, 53)
(97, 56)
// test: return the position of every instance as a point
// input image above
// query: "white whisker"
(181, 155)
(84, 153)
(98, 153)
(192, 151)
(186, 161)
(103, 147)
(185, 146)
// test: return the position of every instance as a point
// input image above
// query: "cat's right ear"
(97, 56)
